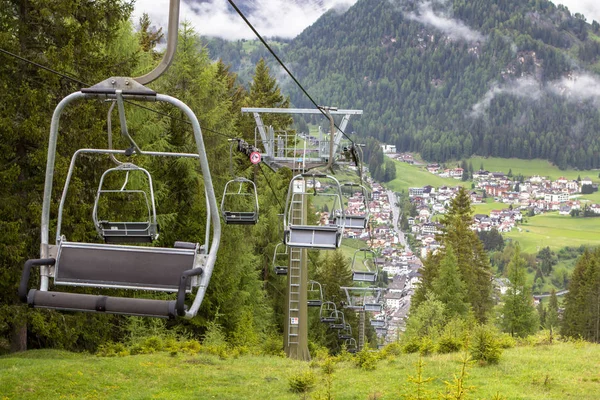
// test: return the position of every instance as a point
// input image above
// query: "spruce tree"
(472, 260)
(519, 317)
(552, 311)
(575, 314)
(449, 287)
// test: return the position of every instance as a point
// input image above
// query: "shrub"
(391, 350)
(427, 346)
(302, 382)
(366, 359)
(273, 346)
(485, 346)
(411, 345)
(448, 344)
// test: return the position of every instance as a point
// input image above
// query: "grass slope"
(408, 175)
(556, 231)
(529, 168)
(560, 371)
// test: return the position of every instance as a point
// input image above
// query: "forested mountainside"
(507, 78)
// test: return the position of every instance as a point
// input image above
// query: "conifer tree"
(473, 262)
(552, 311)
(265, 92)
(519, 317)
(582, 303)
(449, 287)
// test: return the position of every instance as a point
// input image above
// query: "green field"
(556, 231)
(560, 371)
(529, 168)
(408, 175)
(489, 205)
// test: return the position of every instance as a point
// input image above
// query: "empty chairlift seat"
(328, 312)
(314, 294)
(356, 199)
(364, 266)
(324, 235)
(280, 259)
(121, 267)
(244, 191)
(128, 231)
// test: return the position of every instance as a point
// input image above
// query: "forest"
(244, 306)
(86, 43)
(525, 86)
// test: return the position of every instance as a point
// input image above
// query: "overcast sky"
(283, 18)
(589, 8)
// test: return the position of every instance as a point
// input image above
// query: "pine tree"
(473, 262)
(519, 317)
(265, 92)
(449, 287)
(552, 312)
(575, 314)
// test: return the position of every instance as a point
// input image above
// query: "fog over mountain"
(281, 18)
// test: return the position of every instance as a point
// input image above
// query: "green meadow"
(529, 168)
(408, 175)
(558, 371)
(555, 231)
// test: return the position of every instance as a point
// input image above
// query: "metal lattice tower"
(361, 329)
(296, 323)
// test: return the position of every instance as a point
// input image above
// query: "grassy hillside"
(408, 175)
(529, 168)
(560, 371)
(556, 231)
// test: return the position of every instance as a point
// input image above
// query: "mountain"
(449, 79)
(506, 78)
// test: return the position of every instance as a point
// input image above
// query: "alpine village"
(398, 202)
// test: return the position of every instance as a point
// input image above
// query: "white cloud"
(589, 8)
(574, 88)
(451, 27)
(524, 87)
(282, 18)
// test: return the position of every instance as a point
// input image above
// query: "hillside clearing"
(560, 371)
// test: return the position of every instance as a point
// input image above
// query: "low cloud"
(574, 88)
(589, 8)
(453, 28)
(216, 18)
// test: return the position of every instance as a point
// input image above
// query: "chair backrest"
(125, 267)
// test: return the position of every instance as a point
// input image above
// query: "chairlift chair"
(327, 313)
(351, 346)
(368, 271)
(377, 323)
(314, 294)
(356, 221)
(279, 268)
(130, 231)
(339, 320)
(246, 189)
(381, 330)
(373, 303)
(299, 234)
(186, 268)
(345, 333)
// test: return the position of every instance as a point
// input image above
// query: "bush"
(448, 344)
(302, 382)
(412, 345)
(365, 359)
(273, 346)
(427, 346)
(485, 346)
(391, 350)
